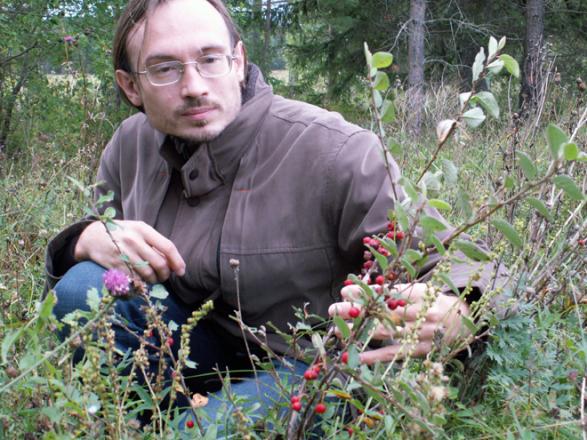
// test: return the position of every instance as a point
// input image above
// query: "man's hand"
(138, 241)
(443, 316)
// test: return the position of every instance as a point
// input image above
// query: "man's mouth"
(198, 113)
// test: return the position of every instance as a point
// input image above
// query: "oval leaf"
(382, 60)
(511, 65)
(539, 206)
(478, 64)
(381, 81)
(570, 151)
(508, 231)
(471, 250)
(492, 47)
(555, 138)
(158, 291)
(387, 111)
(431, 224)
(488, 102)
(440, 204)
(527, 165)
(443, 129)
(474, 117)
(569, 187)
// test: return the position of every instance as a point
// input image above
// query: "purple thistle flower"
(116, 282)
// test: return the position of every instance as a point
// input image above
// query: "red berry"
(374, 242)
(401, 302)
(296, 406)
(320, 408)
(295, 399)
(317, 368)
(345, 357)
(392, 303)
(380, 280)
(169, 341)
(392, 276)
(354, 312)
(189, 424)
(310, 374)
(366, 240)
(348, 282)
(399, 235)
(391, 226)
(368, 264)
(582, 242)
(350, 431)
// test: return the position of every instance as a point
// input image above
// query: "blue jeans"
(210, 347)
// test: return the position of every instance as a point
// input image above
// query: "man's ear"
(130, 86)
(239, 63)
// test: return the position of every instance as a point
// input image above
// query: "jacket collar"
(207, 166)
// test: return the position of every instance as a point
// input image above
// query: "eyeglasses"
(170, 72)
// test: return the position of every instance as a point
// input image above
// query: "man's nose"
(192, 83)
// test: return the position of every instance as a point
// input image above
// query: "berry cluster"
(296, 405)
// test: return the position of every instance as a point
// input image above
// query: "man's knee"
(72, 289)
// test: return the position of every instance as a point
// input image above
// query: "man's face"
(194, 108)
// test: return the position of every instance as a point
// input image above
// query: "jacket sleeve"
(59, 255)
(365, 192)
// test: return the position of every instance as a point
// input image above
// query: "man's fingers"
(351, 293)
(391, 352)
(346, 310)
(164, 247)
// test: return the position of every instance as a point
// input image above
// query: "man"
(215, 167)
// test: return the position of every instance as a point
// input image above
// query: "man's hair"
(136, 12)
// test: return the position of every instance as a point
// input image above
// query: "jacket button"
(193, 174)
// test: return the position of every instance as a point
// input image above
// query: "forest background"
(59, 107)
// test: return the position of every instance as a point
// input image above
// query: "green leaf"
(431, 224)
(413, 255)
(527, 165)
(501, 43)
(405, 262)
(440, 204)
(368, 55)
(354, 359)
(382, 60)
(387, 111)
(478, 64)
(474, 117)
(555, 138)
(447, 280)
(10, 338)
(488, 102)
(394, 148)
(173, 326)
(381, 81)
(495, 66)
(390, 246)
(318, 344)
(569, 187)
(47, 305)
(377, 98)
(93, 299)
(342, 327)
(508, 231)
(381, 260)
(463, 99)
(492, 48)
(409, 187)
(473, 328)
(104, 198)
(471, 250)
(109, 213)
(450, 171)
(191, 364)
(402, 217)
(539, 206)
(510, 64)
(570, 151)
(437, 244)
(158, 291)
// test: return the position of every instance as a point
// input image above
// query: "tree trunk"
(267, 39)
(415, 93)
(532, 67)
